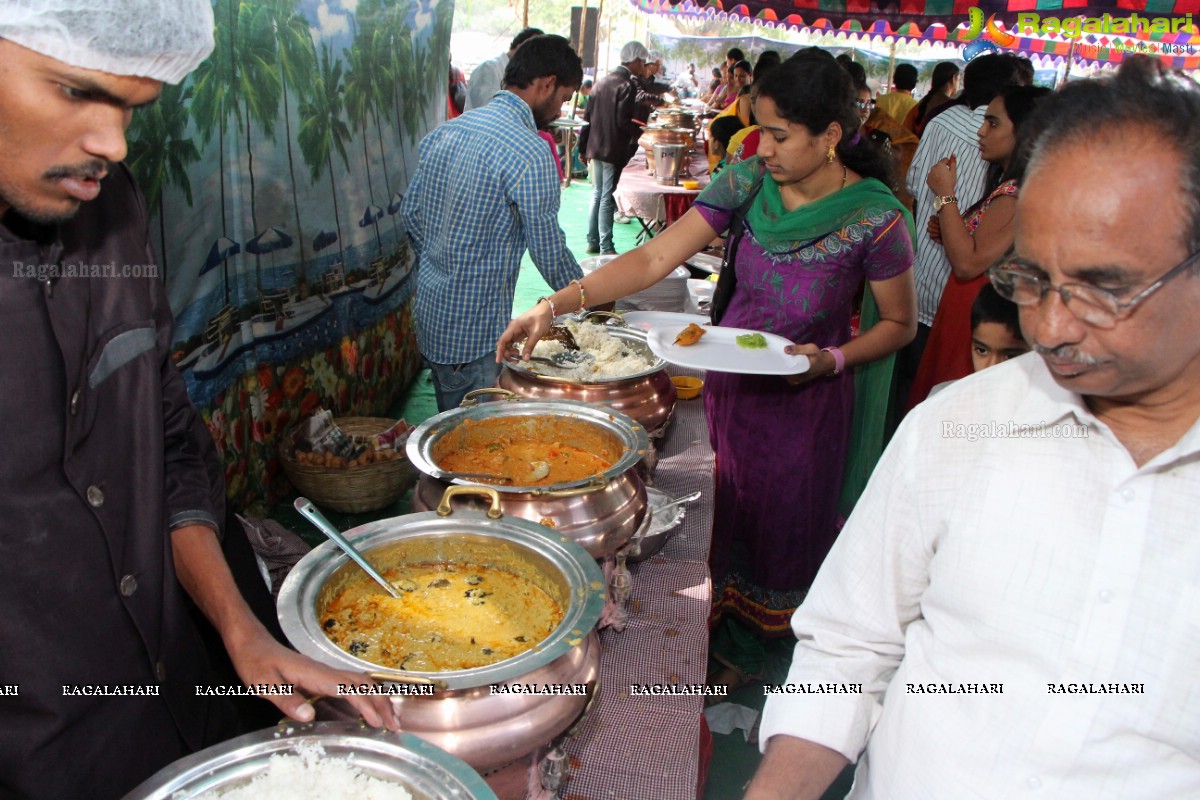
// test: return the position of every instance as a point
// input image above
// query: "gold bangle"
(582, 294)
(553, 311)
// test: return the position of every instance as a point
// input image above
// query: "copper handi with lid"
(601, 512)
(460, 710)
(647, 396)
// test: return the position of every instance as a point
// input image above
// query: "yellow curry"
(448, 617)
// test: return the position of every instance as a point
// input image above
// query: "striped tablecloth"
(646, 748)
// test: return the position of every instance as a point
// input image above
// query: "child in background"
(995, 332)
(722, 130)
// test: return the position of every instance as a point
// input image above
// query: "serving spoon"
(310, 512)
(685, 499)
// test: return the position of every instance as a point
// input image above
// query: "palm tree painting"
(297, 65)
(160, 151)
(241, 164)
(360, 103)
(324, 132)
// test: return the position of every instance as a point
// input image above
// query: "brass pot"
(600, 514)
(462, 715)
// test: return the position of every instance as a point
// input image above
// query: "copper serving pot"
(648, 396)
(462, 715)
(660, 135)
(601, 514)
(674, 118)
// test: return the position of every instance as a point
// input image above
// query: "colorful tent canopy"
(946, 21)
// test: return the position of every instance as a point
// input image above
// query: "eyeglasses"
(863, 105)
(1099, 307)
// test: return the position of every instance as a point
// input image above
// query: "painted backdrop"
(274, 176)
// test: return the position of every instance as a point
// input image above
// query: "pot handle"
(589, 487)
(494, 511)
(621, 323)
(471, 397)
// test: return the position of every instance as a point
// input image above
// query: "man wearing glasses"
(1017, 592)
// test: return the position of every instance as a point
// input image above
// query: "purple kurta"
(781, 449)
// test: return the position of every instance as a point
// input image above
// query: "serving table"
(655, 205)
(648, 747)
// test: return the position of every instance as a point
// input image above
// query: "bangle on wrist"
(839, 359)
(553, 310)
(582, 294)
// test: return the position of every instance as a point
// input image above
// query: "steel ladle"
(310, 512)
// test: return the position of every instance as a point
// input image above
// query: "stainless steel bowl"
(659, 528)
(427, 772)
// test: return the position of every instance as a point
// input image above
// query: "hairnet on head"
(159, 39)
(653, 57)
(632, 51)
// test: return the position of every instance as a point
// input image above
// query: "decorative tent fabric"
(945, 21)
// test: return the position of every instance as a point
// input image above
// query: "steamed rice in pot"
(310, 775)
(614, 357)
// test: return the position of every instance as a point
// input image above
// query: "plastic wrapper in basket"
(351, 489)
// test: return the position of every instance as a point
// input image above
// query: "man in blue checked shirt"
(486, 188)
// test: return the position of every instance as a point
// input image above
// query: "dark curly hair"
(816, 92)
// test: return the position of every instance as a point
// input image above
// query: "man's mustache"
(93, 170)
(1066, 353)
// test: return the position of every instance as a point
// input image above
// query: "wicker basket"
(352, 490)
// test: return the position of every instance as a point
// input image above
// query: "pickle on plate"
(690, 335)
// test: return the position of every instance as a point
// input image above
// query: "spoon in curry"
(310, 512)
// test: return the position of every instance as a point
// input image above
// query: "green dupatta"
(778, 230)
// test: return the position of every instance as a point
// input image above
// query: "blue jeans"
(600, 216)
(451, 382)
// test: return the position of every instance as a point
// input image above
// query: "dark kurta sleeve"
(193, 475)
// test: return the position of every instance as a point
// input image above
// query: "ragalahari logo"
(994, 37)
(989, 36)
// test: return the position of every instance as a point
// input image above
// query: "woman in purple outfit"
(819, 221)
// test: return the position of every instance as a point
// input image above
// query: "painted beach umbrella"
(269, 241)
(370, 216)
(394, 205)
(221, 249)
(323, 239)
(220, 252)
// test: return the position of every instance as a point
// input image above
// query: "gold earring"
(829, 156)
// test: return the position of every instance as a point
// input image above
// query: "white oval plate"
(645, 320)
(718, 351)
(705, 261)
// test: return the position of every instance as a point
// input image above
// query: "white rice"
(615, 357)
(311, 775)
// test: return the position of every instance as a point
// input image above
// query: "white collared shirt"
(1038, 558)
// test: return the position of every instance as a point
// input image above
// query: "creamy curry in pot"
(527, 463)
(448, 617)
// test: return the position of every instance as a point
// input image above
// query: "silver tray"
(427, 772)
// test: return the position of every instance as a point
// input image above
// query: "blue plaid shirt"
(485, 189)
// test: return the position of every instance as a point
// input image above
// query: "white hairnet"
(159, 39)
(632, 51)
